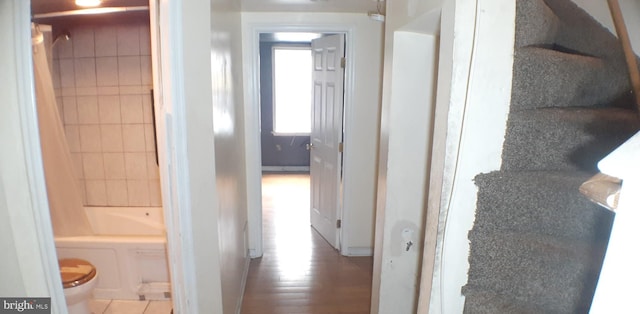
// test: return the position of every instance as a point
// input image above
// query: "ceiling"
(361, 6)
(61, 23)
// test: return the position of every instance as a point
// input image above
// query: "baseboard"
(243, 285)
(358, 251)
(253, 253)
(285, 168)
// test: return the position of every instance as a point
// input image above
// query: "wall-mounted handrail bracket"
(603, 190)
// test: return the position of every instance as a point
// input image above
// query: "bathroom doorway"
(101, 76)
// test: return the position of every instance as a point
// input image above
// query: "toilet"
(79, 278)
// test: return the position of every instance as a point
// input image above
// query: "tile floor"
(99, 306)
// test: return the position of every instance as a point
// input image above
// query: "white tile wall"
(96, 192)
(149, 137)
(107, 71)
(88, 110)
(111, 137)
(93, 166)
(73, 137)
(152, 166)
(67, 73)
(90, 140)
(146, 108)
(133, 135)
(103, 79)
(114, 166)
(85, 70)
(155, 198)
(70, 110)
(83, 43)
(106, 41)
(138, 192)
(109, 108)
(129, 70)
(136, 166)
(145, 40)
(128, 40)
(131, 109)
(117, 193)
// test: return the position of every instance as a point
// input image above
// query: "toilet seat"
(75, 272)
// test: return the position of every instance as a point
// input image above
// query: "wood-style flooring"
(299, 271)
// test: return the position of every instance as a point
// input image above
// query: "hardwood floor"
(299, 271)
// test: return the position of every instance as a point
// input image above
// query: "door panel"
(326, 135)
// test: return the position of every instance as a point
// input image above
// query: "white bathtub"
(128, 250)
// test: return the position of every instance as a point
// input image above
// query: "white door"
(326, 135)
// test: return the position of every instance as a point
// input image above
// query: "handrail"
(623, 35)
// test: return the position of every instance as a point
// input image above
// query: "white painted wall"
(398, 14)
(599, 9)
(364, 55)
(620, 274)
(28, 263)
(228, 127)
(201, 135)
(477, 121)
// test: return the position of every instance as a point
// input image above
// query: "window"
(292, 77)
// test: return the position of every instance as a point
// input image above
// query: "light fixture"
(296, 36)
(88, 3)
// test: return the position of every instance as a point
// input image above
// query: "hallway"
(300, 272)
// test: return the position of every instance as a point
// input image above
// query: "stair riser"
(555, 276)
(548, 205)
(536, 23)
(582, 32)
(549, 78)
(559, 139)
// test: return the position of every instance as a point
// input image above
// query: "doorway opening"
(301, 117)
(95, 89)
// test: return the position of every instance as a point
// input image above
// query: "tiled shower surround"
(102, 78)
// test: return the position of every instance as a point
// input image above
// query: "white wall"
(228, 127)
(28, 263)
(202, 152)
(364, 53)
(630, 10)
(398, 14)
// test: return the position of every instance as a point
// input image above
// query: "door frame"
(253, 161)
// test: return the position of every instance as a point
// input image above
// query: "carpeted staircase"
(537, 244)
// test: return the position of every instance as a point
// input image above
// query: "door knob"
(309, 146)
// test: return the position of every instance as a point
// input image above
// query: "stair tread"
(544, 202)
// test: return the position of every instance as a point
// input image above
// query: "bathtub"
(128, 250)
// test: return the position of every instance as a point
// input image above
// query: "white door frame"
(253, 159)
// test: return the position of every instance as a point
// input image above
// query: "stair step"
(546, 203)
(550, 78)
(565, 138)
(581, 32)
(542, 271)
(479, 301)
(536, 24)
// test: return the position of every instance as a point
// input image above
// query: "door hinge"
(339, 223)
(340, 147)
(343, 62)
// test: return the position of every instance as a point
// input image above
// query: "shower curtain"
(65, 202)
